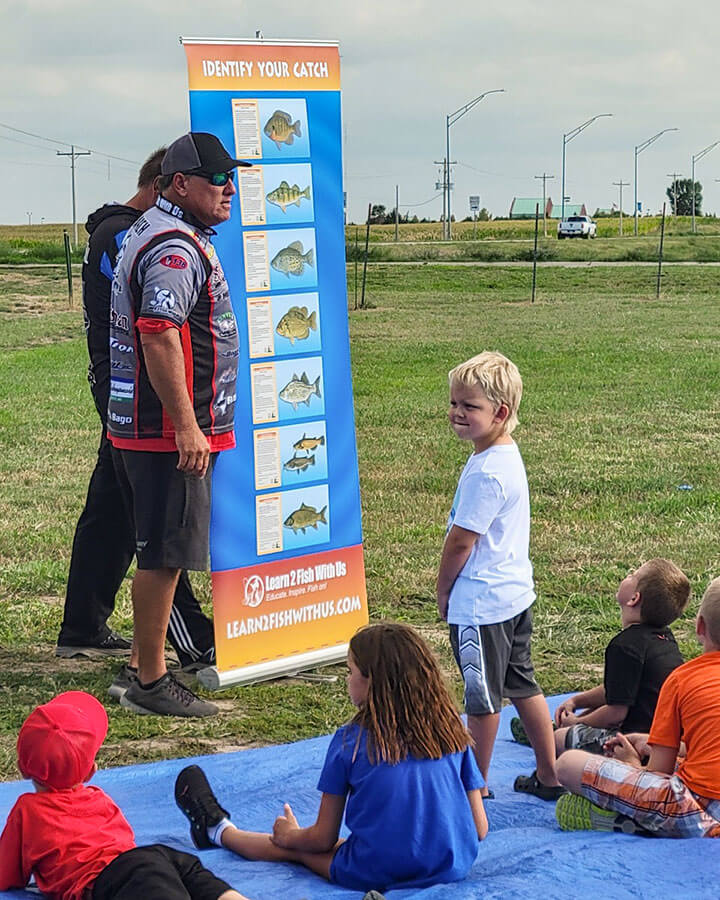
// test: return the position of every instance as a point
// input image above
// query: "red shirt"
(689, 710)
(63, 838)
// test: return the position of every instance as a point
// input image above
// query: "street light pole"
(451, 120)
(638, 150)
(566, 140)
(698, 156)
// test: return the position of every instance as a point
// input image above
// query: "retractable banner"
(286, 541)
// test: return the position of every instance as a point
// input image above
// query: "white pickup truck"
(577, 226)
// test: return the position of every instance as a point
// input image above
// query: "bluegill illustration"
(305, 517)
(296, 324)
(299, 463)
(292, 259)
(309, 443)
(281, 129)
(285, 195)
(299, 390)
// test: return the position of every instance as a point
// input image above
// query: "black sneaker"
(195, 798)
(112, 644)
(166, 698)
(122, 681)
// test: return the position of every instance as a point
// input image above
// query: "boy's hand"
(442, 603)
(284, 828)
(619, 747)
(565, 710)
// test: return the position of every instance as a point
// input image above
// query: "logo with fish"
(296, 324)
(300, 390)
(291, 260)
(281, 129)
(305, 517)
(286, 195)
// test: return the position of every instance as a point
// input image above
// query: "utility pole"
(446, 192)
(621, 184)
(674, 176)
(73, 154)
(544, 179)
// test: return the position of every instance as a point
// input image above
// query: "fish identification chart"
(286, 540)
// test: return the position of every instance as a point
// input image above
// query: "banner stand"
(285, 667)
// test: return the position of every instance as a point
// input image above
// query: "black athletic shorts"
(170, 509)
(157, 872)
(495, 662)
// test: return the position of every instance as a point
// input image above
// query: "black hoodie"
(106, 227)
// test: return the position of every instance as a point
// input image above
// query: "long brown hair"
(408, 710)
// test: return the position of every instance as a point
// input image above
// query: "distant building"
(571, 209)
(524, 207)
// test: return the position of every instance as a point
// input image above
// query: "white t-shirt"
(492, 499)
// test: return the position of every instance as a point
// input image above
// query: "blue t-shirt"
(411, 824)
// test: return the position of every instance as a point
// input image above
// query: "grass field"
(620, 409)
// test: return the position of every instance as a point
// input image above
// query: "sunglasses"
(217, 179)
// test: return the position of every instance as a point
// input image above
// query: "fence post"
(367, 240)
(534, 277)
(660, 253)
(68, 265)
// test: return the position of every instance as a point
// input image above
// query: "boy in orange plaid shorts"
(619, 794)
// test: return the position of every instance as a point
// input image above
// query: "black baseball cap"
(198, 152)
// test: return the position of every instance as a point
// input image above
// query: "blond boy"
(620, 794)
(485, 582)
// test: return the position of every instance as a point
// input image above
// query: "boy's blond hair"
(710, 611)
(497, 377)
(664, 592)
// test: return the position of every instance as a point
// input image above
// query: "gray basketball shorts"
(494, 661)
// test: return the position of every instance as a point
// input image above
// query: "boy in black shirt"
(637, 662)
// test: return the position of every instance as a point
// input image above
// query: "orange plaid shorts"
(662, 804)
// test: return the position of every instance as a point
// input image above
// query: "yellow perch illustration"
(281, 129)
(285, 195)
(296, 324)
(305, 517)
(309, 443)
(292, 259)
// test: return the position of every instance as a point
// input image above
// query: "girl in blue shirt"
(402, 771)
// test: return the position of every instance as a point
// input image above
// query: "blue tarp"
(524, 856)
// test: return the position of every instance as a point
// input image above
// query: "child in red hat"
(71, 836)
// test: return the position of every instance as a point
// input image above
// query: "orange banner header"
(263, 67)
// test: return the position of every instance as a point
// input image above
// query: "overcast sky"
(112, 76)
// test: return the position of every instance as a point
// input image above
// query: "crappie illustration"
(305, 517)
(309, 443)
(296, 324)
(285, 195)
(292, 259)
(299, 390)
(299, 463)
(281, 129)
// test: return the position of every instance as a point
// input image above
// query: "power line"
(48, 140)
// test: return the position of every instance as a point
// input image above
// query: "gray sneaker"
(113, 644)
(167, 698)
(122, 681)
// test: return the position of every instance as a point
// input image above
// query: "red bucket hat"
(59, 740)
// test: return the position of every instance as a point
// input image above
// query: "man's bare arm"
(166, 370)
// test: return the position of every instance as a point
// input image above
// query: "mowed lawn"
(619, 418)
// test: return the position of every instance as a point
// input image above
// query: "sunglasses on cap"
(216, 179)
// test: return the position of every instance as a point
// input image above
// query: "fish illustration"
(284, 195)
(299, 463)
(299, 390)
(296, 324)
(305, 517)
(281, 129)
(309, 443)
(292, 259)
